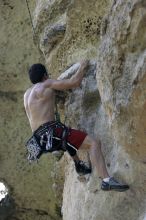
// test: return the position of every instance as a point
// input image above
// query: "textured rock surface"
(112, 33)
(110, 103)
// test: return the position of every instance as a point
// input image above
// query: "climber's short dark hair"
(37, 72)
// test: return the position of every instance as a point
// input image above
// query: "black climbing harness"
(42, 140)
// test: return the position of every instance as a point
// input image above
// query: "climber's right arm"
(73, 82)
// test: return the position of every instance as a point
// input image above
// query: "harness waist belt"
(45, 126)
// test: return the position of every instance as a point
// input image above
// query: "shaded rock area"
(30, 187)
(110, 104)
(7, 208)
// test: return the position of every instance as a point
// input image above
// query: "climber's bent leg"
(97, 159)
(74, 140)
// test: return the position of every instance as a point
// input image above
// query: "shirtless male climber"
(49, 135)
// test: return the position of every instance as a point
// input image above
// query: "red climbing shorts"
(74, 139)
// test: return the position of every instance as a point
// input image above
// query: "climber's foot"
(82, 168)
(113, 185)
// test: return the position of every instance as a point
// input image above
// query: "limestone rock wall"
(110, 105)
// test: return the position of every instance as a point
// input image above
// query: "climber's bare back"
(39, 99)
(39, 105)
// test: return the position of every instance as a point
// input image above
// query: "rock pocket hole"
(3, 191)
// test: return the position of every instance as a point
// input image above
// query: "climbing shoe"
(82, 168)
(113, 185)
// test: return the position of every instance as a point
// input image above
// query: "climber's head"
(37, 73)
